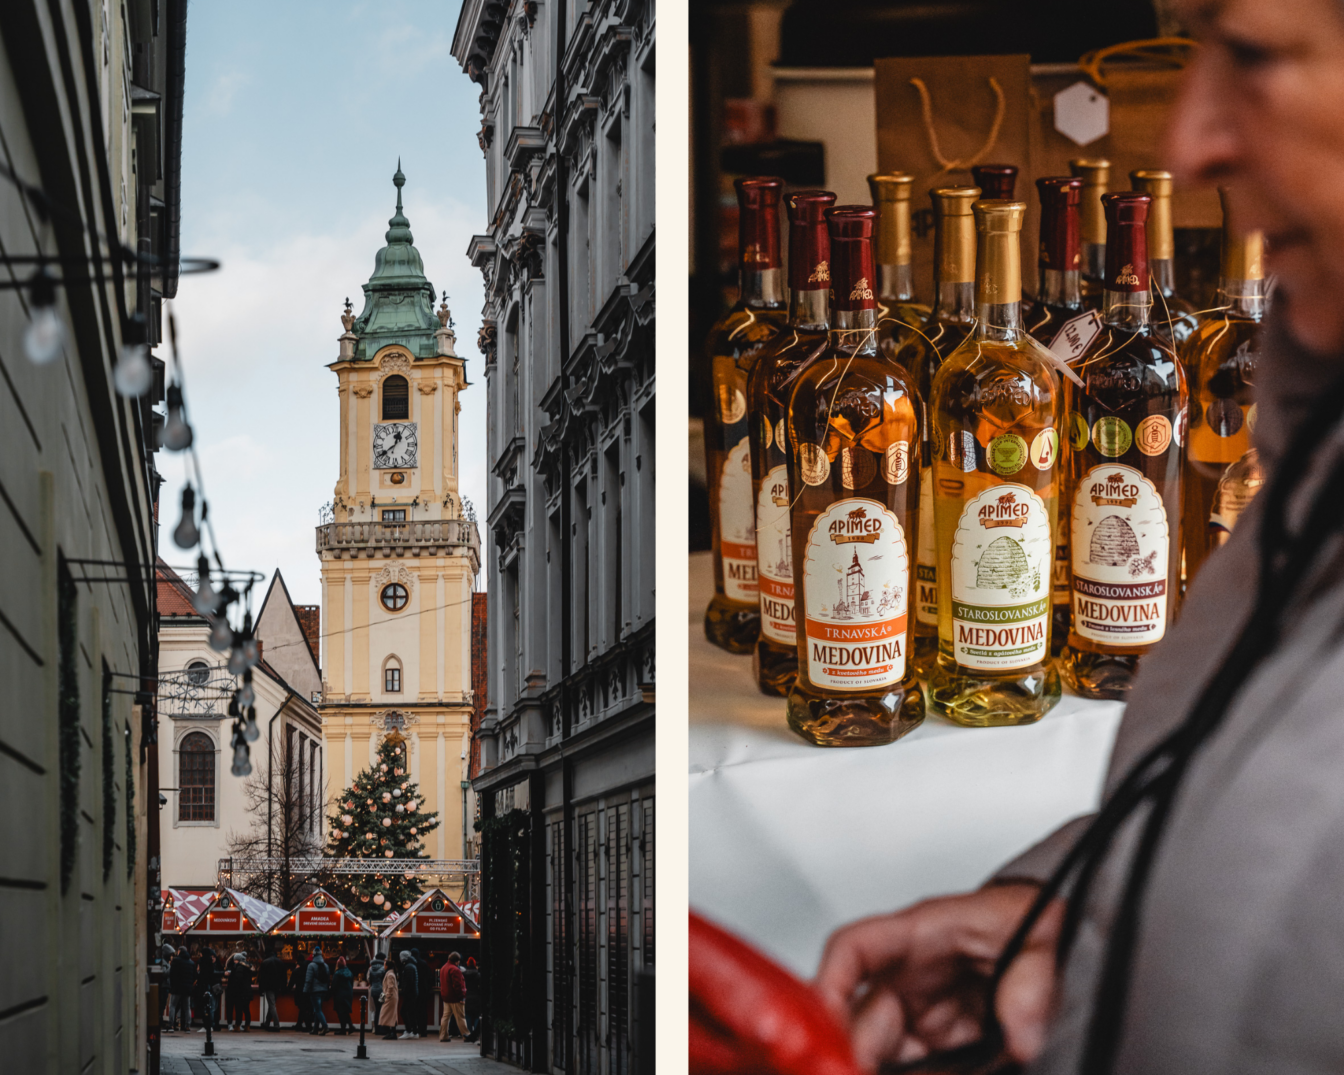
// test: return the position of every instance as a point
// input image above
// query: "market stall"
(182, 906)
(436, 924)
(230, 914)
(322, 920)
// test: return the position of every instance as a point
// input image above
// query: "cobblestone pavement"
(288, 1053)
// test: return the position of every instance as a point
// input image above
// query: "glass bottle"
(1123, 484)
(947, 326)
(1222, 472)
(775, 658)
(1172, 317)
(898, 314)
(1059, 302)
(996, 407)
(853, 424)
(733, 618)
(1096, 176)
(996, 181)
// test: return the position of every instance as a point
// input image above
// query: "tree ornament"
(387, 822)
(396, 792)
(412, 830)
(387, 796)
(346, 819)
(382, 768)
(410, 805)
(378, 899)
(400, 809)
(388, 852)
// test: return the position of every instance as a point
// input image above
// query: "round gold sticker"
(767, 434)
(896, 463)
(732, 404)
(779, 434)
(857, 467)
(813, 464)
(1153, 434)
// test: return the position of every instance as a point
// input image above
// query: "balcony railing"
(399, 535)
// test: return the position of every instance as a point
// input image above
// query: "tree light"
(186, 536)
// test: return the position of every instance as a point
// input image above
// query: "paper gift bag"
(937, 116)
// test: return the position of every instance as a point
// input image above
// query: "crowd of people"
(217, 991)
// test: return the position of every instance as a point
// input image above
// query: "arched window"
(392, 676)
(196, 778)
(396, 398)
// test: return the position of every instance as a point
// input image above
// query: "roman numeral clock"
(394, 445)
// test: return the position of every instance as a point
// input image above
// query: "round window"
(394, 597)
(198, 673)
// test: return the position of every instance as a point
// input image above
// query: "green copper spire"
(398, 300)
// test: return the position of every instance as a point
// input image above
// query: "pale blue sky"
(296, 113)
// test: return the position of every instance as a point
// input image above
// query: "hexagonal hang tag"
(1082, 113)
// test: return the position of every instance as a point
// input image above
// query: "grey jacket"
(1239, 964)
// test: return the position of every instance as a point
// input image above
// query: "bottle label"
(1059, 582)
(855, 582)
(1002, 555)
(1236, 489)
(774, 556)
(1120, 548)
(1074, 335)
(926, 561)
(737, 526)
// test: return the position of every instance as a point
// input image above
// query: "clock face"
(394, 445)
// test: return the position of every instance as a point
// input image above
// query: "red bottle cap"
(809, 242)
(1060, 198)
(758, 222)
(1126, 240)
(996, 181)
(852, 267)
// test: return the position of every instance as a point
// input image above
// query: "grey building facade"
(566, 781)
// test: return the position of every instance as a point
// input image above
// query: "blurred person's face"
(1262, 112)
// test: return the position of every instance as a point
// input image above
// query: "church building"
(400, 556)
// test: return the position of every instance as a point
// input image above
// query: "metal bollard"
(209, 1023)
(362, 1053)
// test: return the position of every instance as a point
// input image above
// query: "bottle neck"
(762, 288)
(809, 309)
(895, 283)
(1247, 298)
(1094, 260)
(1163, 271)
(1126, 310)
(855, 330)
(1061, 288)
(955, 301)
(1001, 321)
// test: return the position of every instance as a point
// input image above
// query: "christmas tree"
(379, 816)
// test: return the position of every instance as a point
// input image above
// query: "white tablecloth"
(789, 841)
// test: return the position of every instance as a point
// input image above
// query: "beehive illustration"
(1113, 542)
(1003, 566)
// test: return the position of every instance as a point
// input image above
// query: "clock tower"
(399, 554)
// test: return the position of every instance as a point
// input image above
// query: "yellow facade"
(400, 526)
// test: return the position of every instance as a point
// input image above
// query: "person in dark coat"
(427, 978)
(316, 985)
(377, 969)
(209, 988)
(238, 991)
(472, 975)
(343, 995)
(181, 982)
(408, 978)
(296, 980)
(270, 984)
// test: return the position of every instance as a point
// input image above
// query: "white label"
(1001, 559)
(1120, 543)
(737, 526)
(926, 560)
(774, 556)
(1074, 335)
(1082, 113)
(855, 582)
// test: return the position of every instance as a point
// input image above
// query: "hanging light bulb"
(221, 635)
(186, 536)
(247, 696)
(242, 765)
(234, 711)
(236, 663)
(43, 338)
(206, 599)
(176, 434)
(133, 374)
(250, 730)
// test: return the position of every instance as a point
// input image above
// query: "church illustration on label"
(856, 600)
(784, 565)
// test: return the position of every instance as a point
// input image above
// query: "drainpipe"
(172, 132)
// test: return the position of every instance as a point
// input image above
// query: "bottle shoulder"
(1123, 362)
(744, 329)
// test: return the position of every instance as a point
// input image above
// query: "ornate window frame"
(180, 732)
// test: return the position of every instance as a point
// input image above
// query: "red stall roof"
(182, 905)
(231, 913)
(322, 914)
(435, 914)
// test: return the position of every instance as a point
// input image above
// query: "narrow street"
(290, 1053)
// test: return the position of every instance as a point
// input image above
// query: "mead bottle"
(950, 322)
(996, 407)
(768, 387)
(898, 314)
(997, 182)
(1096, 176)
(1123, 487)
(1172, 317)
(1222, 472)
(853, 427)
(732, 620)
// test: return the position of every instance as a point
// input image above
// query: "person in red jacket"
(453, 990)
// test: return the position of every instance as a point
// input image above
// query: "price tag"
(1074, 335)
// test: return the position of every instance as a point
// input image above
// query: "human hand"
(914, 982)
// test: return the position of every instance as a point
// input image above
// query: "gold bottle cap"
(998, 273)
(954, 236)
(1095, 172)
(891, 199)
(1243, 251)
(1158, 186)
